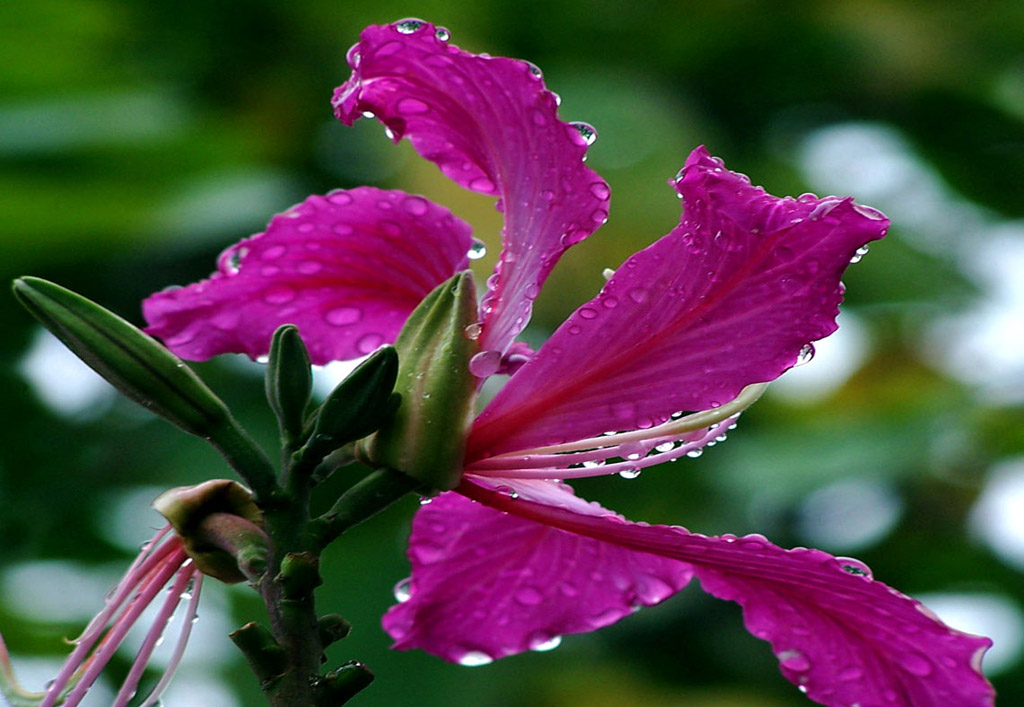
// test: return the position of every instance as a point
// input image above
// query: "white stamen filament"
(668, 431)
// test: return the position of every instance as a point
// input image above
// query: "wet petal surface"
(492, 127)
(346, 268)
(840, 636)
(485, 585)
(727, 299)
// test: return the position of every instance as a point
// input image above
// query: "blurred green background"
(138, 139)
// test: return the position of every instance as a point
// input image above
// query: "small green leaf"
(289, 381)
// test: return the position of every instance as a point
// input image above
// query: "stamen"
(561, 471)
(179, 649)
(152, 585)
(156, 630)
(560, 456)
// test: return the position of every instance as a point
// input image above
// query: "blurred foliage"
(139, 139)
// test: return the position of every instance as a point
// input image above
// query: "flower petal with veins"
(346, 268)
(727, 299)
(485, 586)
(492, 127)
(839, 635)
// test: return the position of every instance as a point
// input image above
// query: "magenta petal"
(727, 299)
(842, 637)
(346, 268)
(486, 584)
(491, 126)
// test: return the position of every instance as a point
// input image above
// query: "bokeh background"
(138, 139)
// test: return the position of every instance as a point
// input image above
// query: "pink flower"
(698, 321)
(162, 563)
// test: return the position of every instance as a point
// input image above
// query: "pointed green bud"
(289, 381)
(144, 371)
(357, 407)
(426, 439)
(342, 684)
(132, 361)
(221, 528)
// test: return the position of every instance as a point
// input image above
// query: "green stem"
(371, 495)
(247, 459)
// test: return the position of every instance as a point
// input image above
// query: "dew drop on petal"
(477, 250)
(859, 254)
(869, 212)
(630, 473)
(528, 596)
(485, 363)
(694, 453)
(542, 641)
(473, 659)
(805, 355)
(588, 313)
(600, 190)
(442, 34)
(409, 26)
(279, 295)
(472, 331)
(415, 205)
(369, 343)
(412, 106)
(584, 132)
(403, 590)
(794, 660)
(916, 664)
(343, 316)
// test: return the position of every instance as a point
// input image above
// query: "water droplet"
(588, 313)
(600, 190)
(859, 254)
(485, 363)
(630, 473)
(234, 261)
(477, 250)
(805, 355)
(542, 641)
(369, 114)
(473, 659)
(353, 57)
(403, 590)
(592, 464)
(482, 184)
(854, 567)
(472, 331)
(409, 26)
(528, 596)
(412, 106)
(273, 252)
(415, 205)
(916, 664)
(279, 295)
(694, 453)
(369, 343)
(425, 500)
(343, 316)
(341, 198)
(851, 673)
(584, 133)
(442, 34)
(534, 70)
(868, 212)
(794, 660)
(665, 447)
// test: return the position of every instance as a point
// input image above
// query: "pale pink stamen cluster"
(163, 562)
(638, 449)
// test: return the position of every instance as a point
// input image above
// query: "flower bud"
(289, 381)
(129, 359)
(221, 528)
(426, 438)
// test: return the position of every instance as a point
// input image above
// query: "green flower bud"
(132, 361)
(426, 439)
(289, 381)
(357, 406)
(221, 528)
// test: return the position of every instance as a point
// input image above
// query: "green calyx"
(426, 438)
(221, 528)
(289, 381)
